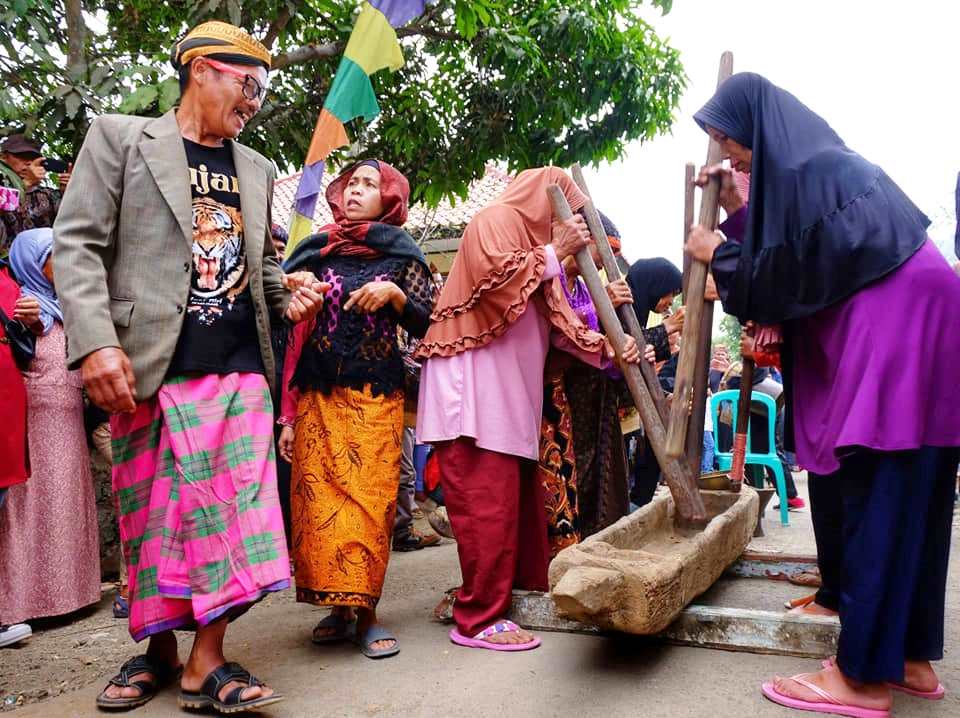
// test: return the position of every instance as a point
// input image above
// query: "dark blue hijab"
(649, 281)
(822, 222)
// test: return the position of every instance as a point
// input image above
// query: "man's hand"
(570, 236)
(372, 296)
(619, 293)
(27, 310)
(730, 197)
(307, 296)
(64, 178)
(674, 323)
(701, 243)
(285, 444)
(109, 381)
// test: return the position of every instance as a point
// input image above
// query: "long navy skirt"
(897, 516)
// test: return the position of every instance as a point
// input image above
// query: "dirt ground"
(61, 669)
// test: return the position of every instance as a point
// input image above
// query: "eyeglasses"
(252, 89)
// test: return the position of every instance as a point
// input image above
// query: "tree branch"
(428, 32)
(307, 53)
(76, 38)
(276, 27)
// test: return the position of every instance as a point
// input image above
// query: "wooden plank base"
(729, 629)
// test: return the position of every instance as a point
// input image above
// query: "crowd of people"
(258, 404)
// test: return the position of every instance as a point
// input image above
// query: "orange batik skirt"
(346, 467)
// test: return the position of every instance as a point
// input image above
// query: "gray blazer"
(123, 245)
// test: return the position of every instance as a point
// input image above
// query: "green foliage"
(730, 335)
(526, 82)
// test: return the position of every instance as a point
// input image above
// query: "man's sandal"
(209, 694)
(162, 673)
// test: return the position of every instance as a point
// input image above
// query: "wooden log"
(691, 346)
(689, 199)
(698, 410)
(682, 484)
(626, 312)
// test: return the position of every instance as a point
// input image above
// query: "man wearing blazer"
(168, 281)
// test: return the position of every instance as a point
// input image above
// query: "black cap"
(18, 144)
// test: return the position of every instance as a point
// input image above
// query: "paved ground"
(570, 675)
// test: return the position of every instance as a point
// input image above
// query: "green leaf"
(169, 94)
(141, 99)
(234, 11)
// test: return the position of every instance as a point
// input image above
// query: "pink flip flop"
(499, 627)
(937, 694)
(829, 704)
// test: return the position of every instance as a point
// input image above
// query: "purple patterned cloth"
(582, 304)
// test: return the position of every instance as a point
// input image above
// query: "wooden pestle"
(691, 346)
(682, 484)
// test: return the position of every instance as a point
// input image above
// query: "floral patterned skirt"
(346, 467)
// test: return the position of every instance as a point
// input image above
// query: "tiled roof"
(444, 220)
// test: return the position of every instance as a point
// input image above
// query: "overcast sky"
(883, 75)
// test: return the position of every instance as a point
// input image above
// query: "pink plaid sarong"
(194, 478)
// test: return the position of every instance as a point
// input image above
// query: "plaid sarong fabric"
(194, 477)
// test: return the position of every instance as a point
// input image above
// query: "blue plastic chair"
(770, 459)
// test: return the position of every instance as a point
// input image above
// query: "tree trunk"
(76, 40)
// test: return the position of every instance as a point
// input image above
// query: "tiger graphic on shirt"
(219, 262)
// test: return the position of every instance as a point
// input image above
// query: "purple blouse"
(876, 370)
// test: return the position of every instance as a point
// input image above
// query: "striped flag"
(372, 46)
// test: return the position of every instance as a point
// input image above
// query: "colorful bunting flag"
(373, 46)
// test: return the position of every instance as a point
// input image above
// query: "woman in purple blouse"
(832, 253)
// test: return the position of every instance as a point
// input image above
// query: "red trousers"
(496, 509)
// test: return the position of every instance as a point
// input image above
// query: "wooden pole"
(698, 408)
(682, 484)
(626, 312)
(689, 198)
(690, 347)
(743, 424)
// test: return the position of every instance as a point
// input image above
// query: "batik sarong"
(346, 470)
(194, 476)
(557, 468)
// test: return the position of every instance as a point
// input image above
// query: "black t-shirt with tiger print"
(219, 334)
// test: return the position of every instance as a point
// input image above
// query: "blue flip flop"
(377, 633)
(342, 629)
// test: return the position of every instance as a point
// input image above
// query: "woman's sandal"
(341, 628)
(375, 633)
(937, 694)
(479, 641)
(828, 703)
(209, 694)
(162, 673)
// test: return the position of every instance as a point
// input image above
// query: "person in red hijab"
(343, 400)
